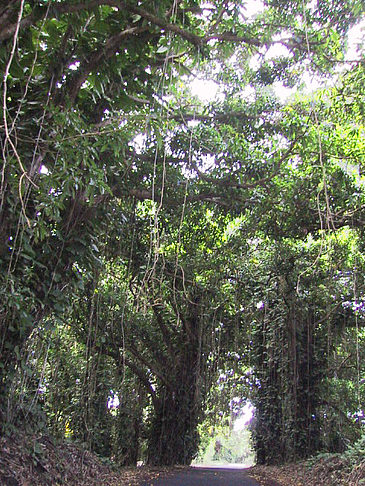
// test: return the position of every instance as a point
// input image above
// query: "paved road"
(204, 477)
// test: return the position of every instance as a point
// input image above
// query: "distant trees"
(295, 345)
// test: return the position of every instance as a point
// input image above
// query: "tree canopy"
(153, 239)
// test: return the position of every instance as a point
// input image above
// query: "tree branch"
(105, 52)
(53, 12)
(132, 349)
(163, 328)
(235, 185)
(143, 378)
(192, 38)
(115, 354)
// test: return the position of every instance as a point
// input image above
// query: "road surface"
(204, 477)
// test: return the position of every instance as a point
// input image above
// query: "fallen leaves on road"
(38, 460)
(331, 470)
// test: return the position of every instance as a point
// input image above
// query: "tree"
(80, 83)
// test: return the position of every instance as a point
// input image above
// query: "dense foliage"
(153, 240)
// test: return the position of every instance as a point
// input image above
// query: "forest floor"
(34, 460)
(38, 461)
(331, 470)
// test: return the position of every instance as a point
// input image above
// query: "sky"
(208, 90)
(245, 417)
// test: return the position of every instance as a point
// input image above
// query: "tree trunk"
(287, 423)
(173, 437)
(14, 334)
(128, 431)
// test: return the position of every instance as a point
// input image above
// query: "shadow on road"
(205, 476)
(216, 465)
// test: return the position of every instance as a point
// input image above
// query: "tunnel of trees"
(156, 239)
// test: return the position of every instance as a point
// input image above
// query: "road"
(204, 477)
